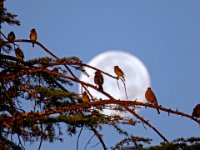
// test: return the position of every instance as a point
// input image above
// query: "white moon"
(136, 76)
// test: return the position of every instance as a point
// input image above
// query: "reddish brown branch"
(146, 122)
(56, 57)
(94, 68)
(68, 69)
(124, 104)
(42, 69)
(29, 91)
(37, 43)
(111, 101)
(105, 102)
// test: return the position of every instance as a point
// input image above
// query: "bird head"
(33, 30)
(149, 88)
(97, 72)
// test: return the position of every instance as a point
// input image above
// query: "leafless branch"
(99, 137)
(77, 141)
(147, 123)
(41, 137)
(105, 102)
(89, 141)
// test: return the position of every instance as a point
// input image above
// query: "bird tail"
(33, 44)
(101, 87)
(158, 111)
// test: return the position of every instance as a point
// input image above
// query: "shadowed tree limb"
(72, 77)
(50, 53)
(41, 138)
(102, 103)
(147, 123)
(99, 137)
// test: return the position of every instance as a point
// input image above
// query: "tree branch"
(77, 141)
(102, 103)
(99, 137)
(147, 123)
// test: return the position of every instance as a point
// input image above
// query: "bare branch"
(77, 141)
(99, 137)
(147, 123)
(89, 141)
(105, 102)
(41, 137)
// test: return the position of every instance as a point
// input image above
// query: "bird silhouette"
(11, 36)
(98, 79)
(19, 54)
(119, 72)
(196, 111)
(151, 98)
(85, 97)
(55, 70)
(33, 36)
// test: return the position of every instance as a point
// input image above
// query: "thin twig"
(29, 91)
(41, 137)
(94, 68)
(89, 141)
(20, 142)
(77, 141)
(118, 84)
(123, 81)
(99, 137)
(147, 123)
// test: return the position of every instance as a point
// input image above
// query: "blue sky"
(165, 35)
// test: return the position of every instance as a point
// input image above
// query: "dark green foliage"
(192, 143)
(8, 145)
(38, 83)
(131, 143)
(135, 143)
(7, 17)
(6, 47)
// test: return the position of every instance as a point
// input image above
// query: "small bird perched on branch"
(119, 72)
(196, 111)
(150, 96)
(55, 70)
(11, 36)
(33, 36)
(19, 54)
(98, 79)
(85, 97)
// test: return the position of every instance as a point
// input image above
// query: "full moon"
(136, 76)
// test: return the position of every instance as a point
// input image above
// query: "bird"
(85, 97)
(55, 70)
(150, 96)
(11, 36)
(98, 79)
(33, 36)
(119, 72)
(196, 111)
(19, 54)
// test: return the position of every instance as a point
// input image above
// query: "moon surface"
(136, 75)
